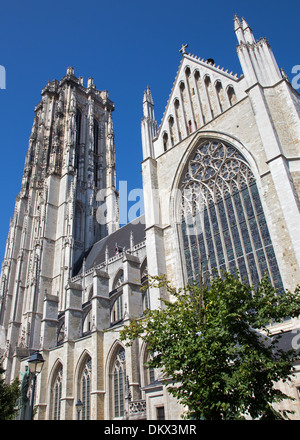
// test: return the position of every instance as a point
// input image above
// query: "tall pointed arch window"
(222, 218)
(96, 151)
(117, 312)
(85, 388)
(57, 392)
(78, 222)
(116, 295)
(61, 331)
(149, 372)
(231, 95)
(119, 378)
(77, 140)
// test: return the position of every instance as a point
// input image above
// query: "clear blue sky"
(124, 46)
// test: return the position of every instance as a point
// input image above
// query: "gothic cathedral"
(225, 162)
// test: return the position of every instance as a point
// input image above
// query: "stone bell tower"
(69, 162)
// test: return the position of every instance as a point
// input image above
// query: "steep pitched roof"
(206, 67)
(120, 238)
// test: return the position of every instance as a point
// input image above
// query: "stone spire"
(149, 124)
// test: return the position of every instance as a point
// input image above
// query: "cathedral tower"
(70, 159)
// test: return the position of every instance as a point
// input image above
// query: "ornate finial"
(183, 48)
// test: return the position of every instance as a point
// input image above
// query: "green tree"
(205, 341)
(9, 395)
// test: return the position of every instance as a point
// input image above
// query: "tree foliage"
(205, 342)
(9, 395)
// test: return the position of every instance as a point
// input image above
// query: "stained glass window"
(57, 394)
(86, 389)
(223, 223)
(117, 310)
(119, 378)
(77, 141)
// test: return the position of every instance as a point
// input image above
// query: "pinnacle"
(245, 24)
(148, 95)
(237, 22)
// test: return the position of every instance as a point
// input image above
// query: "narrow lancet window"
(77, 140)
(96, 151)
(119, 378)
(85, 386)
(57, 394)
(231, 95)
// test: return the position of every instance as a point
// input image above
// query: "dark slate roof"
(285, 340)
(289, 340)
(119, 238)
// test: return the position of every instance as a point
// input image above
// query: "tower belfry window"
(96, 134)
(96, 151)
(77, 140)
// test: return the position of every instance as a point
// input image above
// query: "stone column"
(73, 312)
(100, 300)
(49, 322)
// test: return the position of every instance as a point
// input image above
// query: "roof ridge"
(221, 69)
(173, 86)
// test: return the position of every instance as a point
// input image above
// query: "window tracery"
(85, 385)
(117, 313)
(87, 321)
(117, 309)
(149, 372)
(96, 152)
(57, 391)
(119, 378)
(223, 222)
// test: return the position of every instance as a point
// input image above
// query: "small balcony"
(137, 410)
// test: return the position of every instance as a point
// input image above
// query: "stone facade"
(71, 277)
(257, 115)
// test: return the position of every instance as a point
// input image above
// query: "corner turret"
(256, 57)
